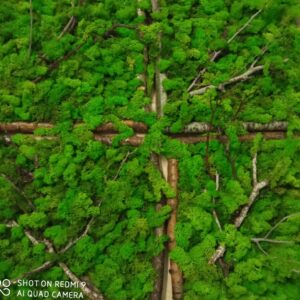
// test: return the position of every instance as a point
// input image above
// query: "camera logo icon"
(4, 287)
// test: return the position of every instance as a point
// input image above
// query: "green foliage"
(104, 70)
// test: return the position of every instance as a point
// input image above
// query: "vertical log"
(158, 100)
(176, 274)
(158, 261)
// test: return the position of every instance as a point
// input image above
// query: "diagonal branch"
(91, 292)
(17, 189)
(257, 187)
(254, 194)
(70, 25)
(219, 52)
(266, 239)
(88, 291)
(258, 240)
(45, 266)
(281, 221)
(242, 77)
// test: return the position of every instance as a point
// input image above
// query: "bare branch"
(129, 153)
(45, 266)
(257, 187)
(260, 248)
(254, 194)
(89, 292)
(254, 169)
(219, 252)
(281, 221)
(215, 214)
(68, 27)
(244, 26)
(258, 240)
(242, 77)
(219, 52)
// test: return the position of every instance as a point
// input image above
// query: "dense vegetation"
(224, 62)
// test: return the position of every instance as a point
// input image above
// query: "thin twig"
(265, 238)
(122, 163)
(31, 28)
(18, 190)
(84, 233)
(70, 24)
(258, 240)
(41, 268)
(281, 221)
(67, 27)
(244, 26)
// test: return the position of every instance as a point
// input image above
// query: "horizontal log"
(194, 139)
(138, 139)
(199, 127)
(30, 127)
(139, 127)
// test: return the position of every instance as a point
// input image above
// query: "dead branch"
(215, 214)
(244, 26)
(281, 221)
(257, 187)
(122, 163)
(90, 293)
(221, 87)
(70, 25)
(219, 52)
(254, 168)
(84, 233)
(258, 240)
(265, 238)
(45, 266)
(254, 194)
(176, 274)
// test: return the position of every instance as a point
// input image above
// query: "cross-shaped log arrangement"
(192, 133)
